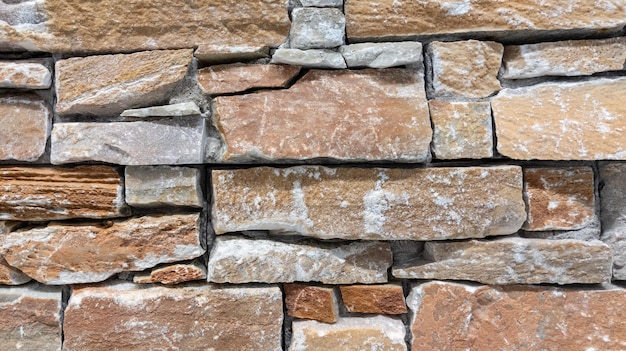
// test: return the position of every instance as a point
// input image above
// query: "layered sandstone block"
(26, 121)
(27, 74)
(191, 317)
(381, 299)
(238, 77)
(371, 204)
(452, 316)
(613, 176)
(154, 186)
(312, 302)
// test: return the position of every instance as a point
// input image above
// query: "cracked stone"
(238, 77)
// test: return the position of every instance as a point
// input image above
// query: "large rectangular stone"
(372, 204)
(191, 317)
(562, 121)
(613, 214)
(26, 121)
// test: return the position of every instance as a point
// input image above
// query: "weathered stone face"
(513, 261)
(28, 74)
(382, 55)
(371, 204)
(238, 77)
(72, 253)
(190, 317)
(239, 260)
(559, 198)
(113, 26)
(381, 299)
(154, 186)
(212, 54)
(349, 115)
(39, 194)
(109, 84)
(30, 318)
(173, 110)
(26, 121)
(613, 213)
(173, 273)
(317, 28)
(311, 302)
(10, 275)
(349, 334)
(314, 58)
(452, 316)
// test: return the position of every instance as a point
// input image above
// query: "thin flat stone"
(212, 54)
(239, 260)
(320, 3)
(382, 55)
(312, 302)
(24, 75)
(26, 121)
(238, 77)
(155, 186)
(173, 273)
(317, 28)
(613, 214)
(174, 110)
(314, 58)
(370, 204)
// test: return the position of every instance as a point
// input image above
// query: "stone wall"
(312, 175)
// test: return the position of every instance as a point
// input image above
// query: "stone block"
(174, 110)
(613, 214)
(173, 273)
(312, 302)
(314, 58)
(24, 74)
(26, 121)
(154, 186)
(381, 299)
(212, 54)
(382, 55)
(239, 77)
(317, 28)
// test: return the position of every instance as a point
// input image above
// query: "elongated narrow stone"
(613, 214)
(26, 121)
(27, 74)
(382, 55)
(240, 260)
(82, 253)
(238, 77)
(190, 317)
(39, 194)
(449, 316)
(513, 261)
(212, 54)
(154, 186)
(348, 115)
(173, 273)
(562, 121)
(174, 110)
(314, 58)
(312, 302)
(372, 204)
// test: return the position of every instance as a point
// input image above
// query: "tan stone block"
(381, 299)
(238, 77)
(461, 129)
(564, 58)
(82, 253)
(311, 302)
(370, 204)
(562, 121)
(26, 123)
(110, 84)
(27, 74)
(559, 198)
(39, 194)
(513, 261)
(154, 186)
(173, 273)
(613, 214)
(342, 114)
(502, 19)
(449, 316)
(189, 317)
(349, 334)
(30, 318)
(114, 26)
(465, 68)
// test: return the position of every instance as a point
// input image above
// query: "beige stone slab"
(381, 299)
(238, 77)
(613, 214)
(24, 74)
(26, 121)
(449, 316)
(173, 273)
(513, 261)
(190, 317)
(562, 121)
(188, 108)
(342, 114)
(311, 302)
(154, 186)
(370, 204)
(104, 26)
(43, 193)
(65, 253)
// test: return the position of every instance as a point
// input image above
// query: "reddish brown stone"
(311, 302)
(237, 77)
(381, 299)
(173, 273)
(25, 121)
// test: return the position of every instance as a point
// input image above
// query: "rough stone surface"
(39, 194)
(564, 58)
(113, 26)
(110, 84)
(354, 115)
(174, 110)
(10, 275)
(320, 3)
(349, 334)
(26, 122)
(386, 19)
(315, 58)
(212, 54)
(239, 260)
(69, 253)
(382, 55)
(191, 317)
(154, 186)
(613, 195)
(24, 75)
(465, 68)
(371, 204)
(238, 77)
(451, 316)
(173, 273)
(179, 140)
(311, 302)
(562, 121)
(381, 299)
(30, 318)
(513, 261)
(461, 129)
(559, 198)
(317, 28)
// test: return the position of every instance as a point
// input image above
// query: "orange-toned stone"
(449, 316)
(27, 74)
(381, 299)
(26, 122)
(559, 198)
(311, 302)
(10, 275)
(173, 273)
(238, 77)
(350, 115)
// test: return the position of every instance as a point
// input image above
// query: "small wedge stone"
(211, 54)
(173, 273)
(174, 110)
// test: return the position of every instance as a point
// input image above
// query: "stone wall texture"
(313, 175)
